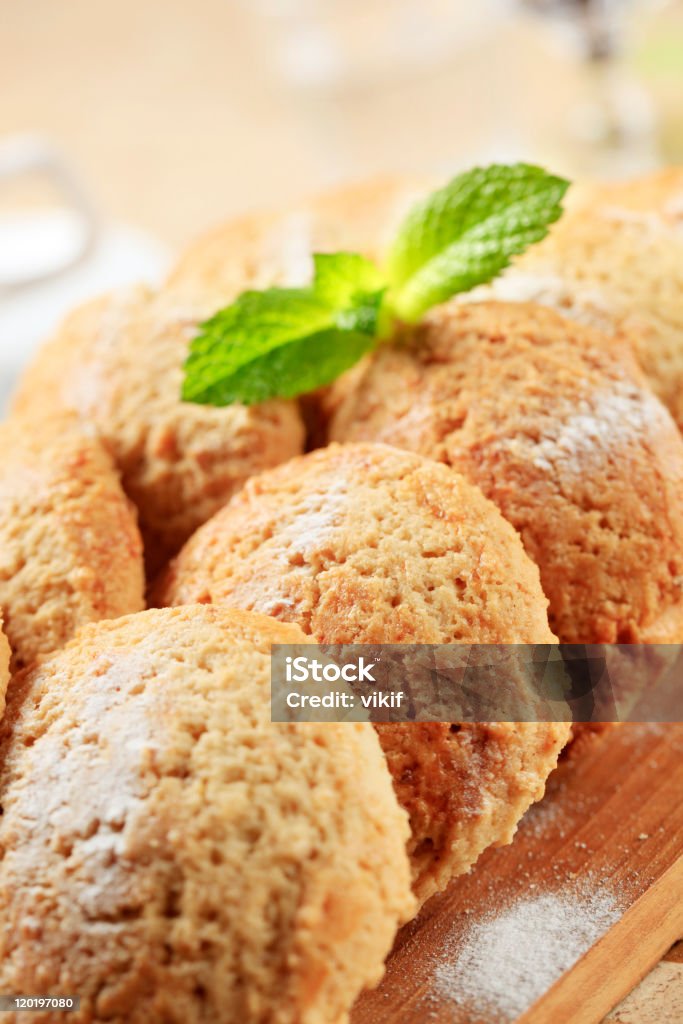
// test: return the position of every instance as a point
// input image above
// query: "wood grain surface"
(607, 837)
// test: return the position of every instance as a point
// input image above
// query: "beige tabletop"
(182, 112)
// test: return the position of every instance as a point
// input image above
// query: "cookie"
(615, 261)
(169, 854)
(557, 425)
(117, 363)
(276, 247)
(368, 544)
(70, 550)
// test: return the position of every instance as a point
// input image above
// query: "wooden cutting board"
(559, 926)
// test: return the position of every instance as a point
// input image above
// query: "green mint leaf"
(466, 233)
(283, 342)
(353, 287)
(342, 278)
(256, 324)
(302, 365)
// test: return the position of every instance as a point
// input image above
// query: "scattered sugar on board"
(508, 959)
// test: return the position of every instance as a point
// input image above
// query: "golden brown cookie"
(615, 261)
(368, 544)
(557, 426)
(172, 856)
(117, 362)
(70, 550)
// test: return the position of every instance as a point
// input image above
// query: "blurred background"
(127, 127)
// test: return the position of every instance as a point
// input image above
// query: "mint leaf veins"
(283, 342)
(465, 234)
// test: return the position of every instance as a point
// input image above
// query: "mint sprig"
(286, 341)
(283, 342)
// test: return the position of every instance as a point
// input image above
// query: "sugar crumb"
(507, 960)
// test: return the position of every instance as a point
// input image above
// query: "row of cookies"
(169, 854)
(554, 423)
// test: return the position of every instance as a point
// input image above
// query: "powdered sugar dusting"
(314, 524)
(609, 420)
(648, 220)
(574, 299)
(508, 959)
